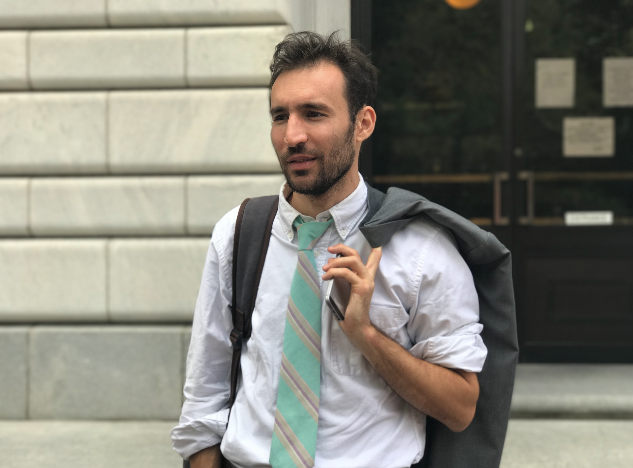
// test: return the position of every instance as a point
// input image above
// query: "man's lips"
(301, 161)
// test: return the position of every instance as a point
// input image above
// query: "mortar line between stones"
(185, 58)
(29, 216)
(107, 13)
(186, 201)
(29, 357)
(29, 83)
(106, 128)
(107, 280)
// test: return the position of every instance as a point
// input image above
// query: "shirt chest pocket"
(346, 359)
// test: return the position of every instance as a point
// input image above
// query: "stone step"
(545, 443)
(79, 444)
(536, 443)
(573, 391)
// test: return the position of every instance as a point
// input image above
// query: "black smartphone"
(337, 296)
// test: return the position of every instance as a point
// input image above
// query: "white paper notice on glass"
(588, 218)
(588, 137)
(617, 82)
(555, 83)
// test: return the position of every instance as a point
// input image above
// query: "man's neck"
(312, 206)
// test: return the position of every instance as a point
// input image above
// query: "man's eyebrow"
(306, 105)
(277, 110)
(315, 106)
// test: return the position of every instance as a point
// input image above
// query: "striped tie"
(297, 415)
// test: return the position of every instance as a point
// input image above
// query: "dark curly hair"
(307, 49)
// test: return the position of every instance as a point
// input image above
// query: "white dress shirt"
(424, 298)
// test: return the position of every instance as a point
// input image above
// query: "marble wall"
(128, 128)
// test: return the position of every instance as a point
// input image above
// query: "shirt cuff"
(190, 437)
(465, 351)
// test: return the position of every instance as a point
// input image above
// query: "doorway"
(519, 116)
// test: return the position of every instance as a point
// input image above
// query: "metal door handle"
(528, 177)
(497, 217)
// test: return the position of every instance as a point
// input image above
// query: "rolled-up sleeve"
(444, 322)
(207, 385)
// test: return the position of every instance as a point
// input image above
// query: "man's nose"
(295, 132)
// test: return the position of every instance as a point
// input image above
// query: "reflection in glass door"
(439, 129)
(518, 114)
(574, 237)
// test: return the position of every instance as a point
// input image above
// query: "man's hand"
(361, 277)
(446, 395)
(208, 458)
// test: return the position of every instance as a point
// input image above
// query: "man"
(409, 345)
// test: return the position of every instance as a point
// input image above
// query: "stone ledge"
(52, 13)
(566, 444)
(13, 370)
(197, 12)
(109, 372)
(107, 59)
(14, 207)
(211, 55)
(52, 280)
(81, 444)
(52, 133)
(13, 60)
(216, 131)
(152, 280)
(211, 197)
(573, 390)
(107, 206)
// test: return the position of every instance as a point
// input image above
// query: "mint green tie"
(297, 415)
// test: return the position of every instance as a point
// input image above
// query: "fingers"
(352, 261)
(373, 261)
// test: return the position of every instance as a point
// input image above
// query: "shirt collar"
(347, 213)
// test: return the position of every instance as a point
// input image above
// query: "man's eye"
(313, 114)
(279, 117)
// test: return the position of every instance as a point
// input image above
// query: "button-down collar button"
(343, 233)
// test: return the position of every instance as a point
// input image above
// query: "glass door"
(439, 128)
(574, 233)
(518, 114)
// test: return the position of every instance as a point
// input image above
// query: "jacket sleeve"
(207, 385)
(444, 322)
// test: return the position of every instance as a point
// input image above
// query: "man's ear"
(365, 123)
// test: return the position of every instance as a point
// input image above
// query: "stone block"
(107, 206)
(13, 60)
(13, 369)
(52, 13)
(211, 55)
(211, 197)
(52, 133)
(573, 390)
(52, 280)
(13, 207)
(198, 12)
(81, 444)
(107, 58)
(190, 131)
(105, 372)
(155, 280)
(540, 443)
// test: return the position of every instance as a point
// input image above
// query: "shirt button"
(317, 253)
(343, 233)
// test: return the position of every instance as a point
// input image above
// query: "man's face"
(311, 130)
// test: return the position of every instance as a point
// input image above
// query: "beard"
(329, 169)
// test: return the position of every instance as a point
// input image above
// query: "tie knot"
(309, 232)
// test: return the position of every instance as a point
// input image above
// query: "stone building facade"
(127, 129)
